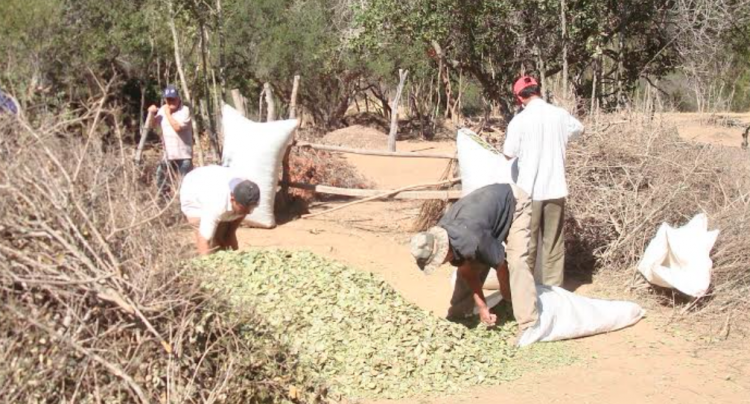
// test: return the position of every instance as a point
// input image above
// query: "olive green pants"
(547, 220)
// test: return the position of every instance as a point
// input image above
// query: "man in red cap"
(538, 137)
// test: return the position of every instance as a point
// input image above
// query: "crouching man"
(215, 202)
(469, 236)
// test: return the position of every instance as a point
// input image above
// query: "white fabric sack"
(679, 258)
(255, 150)
(481, 167)
(565, 315)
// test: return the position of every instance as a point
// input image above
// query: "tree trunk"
(271, 112)
(222, 46)
(293, 100)
(564, 28)
(183, 82)
(402, 74)
(207, 91)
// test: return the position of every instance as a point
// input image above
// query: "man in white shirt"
(177, 134)
(538, 137)
(215, 201)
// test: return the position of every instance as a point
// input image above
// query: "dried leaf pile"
(355, 330)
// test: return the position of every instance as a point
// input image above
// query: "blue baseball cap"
(170, 92)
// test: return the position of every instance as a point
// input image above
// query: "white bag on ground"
(481, 167)
(679, 258)
(255, 150)
(565, 315)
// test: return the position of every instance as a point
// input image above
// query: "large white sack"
(255, 150)
(679, 258)
(565, 315)
(481, 167)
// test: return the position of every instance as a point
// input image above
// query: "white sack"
(481, 167)
(565, 315)
(255, 150)
(679, 258)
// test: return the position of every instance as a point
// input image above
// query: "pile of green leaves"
(355, 330)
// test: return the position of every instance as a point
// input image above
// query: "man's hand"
(472, 279)
(153, 109)
(487, 317)
(167, 110)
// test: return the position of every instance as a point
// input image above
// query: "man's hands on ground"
(487, 317)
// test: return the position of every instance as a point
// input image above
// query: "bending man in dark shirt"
(470, 237)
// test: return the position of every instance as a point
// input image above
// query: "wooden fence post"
(293, 100)
(402, 74)
(239, 103)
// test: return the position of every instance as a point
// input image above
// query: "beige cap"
(430, 248)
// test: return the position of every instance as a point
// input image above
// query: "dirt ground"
(651, 362)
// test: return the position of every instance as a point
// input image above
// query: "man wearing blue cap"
(177, 132)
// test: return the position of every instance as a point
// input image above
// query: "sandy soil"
(723, 129)
(651, 362)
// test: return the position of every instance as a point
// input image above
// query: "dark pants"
(171, 170)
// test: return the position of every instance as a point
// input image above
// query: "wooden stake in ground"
(293, 100)
(384, 195)
(144, 133)
(238, 102)
(271, 111)
(402, 74)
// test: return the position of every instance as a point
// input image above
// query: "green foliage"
(360, 334)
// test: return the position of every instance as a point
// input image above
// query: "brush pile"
(94, 305)
(626, 180)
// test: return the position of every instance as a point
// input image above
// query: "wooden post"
(293, 100)
(144, 134)
(271, 109)
(402, 74)
(238, 102)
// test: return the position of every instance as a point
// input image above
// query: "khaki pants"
(547, 220)
(522, 287)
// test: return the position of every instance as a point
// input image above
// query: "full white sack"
(679, 258)
(255, 150)
(481, 167)
(565, 315)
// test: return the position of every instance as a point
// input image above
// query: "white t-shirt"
(538, 136)
(177, 145)
(206, 193)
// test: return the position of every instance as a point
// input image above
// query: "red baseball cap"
(521, 84)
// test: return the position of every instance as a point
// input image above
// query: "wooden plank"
(382, 153)
(366, 193)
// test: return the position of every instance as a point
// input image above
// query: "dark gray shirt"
(478, 223)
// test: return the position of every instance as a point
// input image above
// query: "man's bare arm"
(472, 279)
(177, 126)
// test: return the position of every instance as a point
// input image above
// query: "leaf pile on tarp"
(355, 330)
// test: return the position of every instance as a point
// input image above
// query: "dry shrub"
(95, 305)
(310, 166)
(627, 178)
